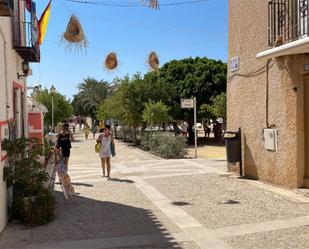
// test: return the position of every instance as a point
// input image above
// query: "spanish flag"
(43, 22)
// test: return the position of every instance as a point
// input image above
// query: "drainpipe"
(5, 76)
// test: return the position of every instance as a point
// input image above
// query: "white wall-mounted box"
(271, 139)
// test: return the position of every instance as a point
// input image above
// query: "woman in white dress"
(105, 153)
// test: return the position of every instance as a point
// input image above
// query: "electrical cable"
(253, 73)
(267, 93)
(127, 4)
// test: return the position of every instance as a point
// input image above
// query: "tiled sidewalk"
(155, 203)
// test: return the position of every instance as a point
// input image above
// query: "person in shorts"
(105, 139)
(63, 143)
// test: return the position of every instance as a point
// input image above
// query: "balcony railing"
(26, 35)
(6, 7)
(288, 19)
(27, 48)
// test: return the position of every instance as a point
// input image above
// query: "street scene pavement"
(154, 203)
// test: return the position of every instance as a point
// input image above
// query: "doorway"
(306, 130)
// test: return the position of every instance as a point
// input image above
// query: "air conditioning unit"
(270, 136)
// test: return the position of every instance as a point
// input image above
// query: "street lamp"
(52, 91)
(25, 68)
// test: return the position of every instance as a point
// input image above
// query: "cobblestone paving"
(155, 203)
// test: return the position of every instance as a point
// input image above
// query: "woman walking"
(63, 143)
(106, 140)
(86, 130)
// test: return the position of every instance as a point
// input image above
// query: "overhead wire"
(127, 4)
(180, 28)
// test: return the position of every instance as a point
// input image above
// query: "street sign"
(187, 103)
(234, 64)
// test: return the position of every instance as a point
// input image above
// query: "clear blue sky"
(174, 32)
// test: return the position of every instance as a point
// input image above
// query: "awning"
(300, 46)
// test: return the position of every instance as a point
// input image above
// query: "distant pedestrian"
(206, 129)
(217, 129)
(73, 126)
(177, 131)
(107, 141)
(101, 126)
(86, 130)
(184, 129)
(94, 130)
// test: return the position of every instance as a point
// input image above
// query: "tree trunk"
(135, 135)
(190, 132)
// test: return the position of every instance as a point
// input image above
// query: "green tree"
(202, 78)
(217, 108)
(62, 106)
(125, 103)
(156, 113)
(91, 95)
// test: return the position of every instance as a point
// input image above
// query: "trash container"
(233, 147)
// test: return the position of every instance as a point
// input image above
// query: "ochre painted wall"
(247, 94)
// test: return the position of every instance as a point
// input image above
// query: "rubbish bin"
(233, 147)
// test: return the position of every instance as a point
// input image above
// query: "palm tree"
(92, 93)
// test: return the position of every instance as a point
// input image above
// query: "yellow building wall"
(247, 97)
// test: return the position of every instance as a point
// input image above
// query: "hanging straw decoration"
(111, 61)
(153, 61)
(74, 35)
(154, 4)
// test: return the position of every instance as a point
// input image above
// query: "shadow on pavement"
(83, 218)
(82, 184)
(121, 180)
(181, 203)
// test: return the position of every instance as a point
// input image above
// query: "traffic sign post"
(189, 104)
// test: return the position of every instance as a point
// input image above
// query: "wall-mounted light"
(25, 68)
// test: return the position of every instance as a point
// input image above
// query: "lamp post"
(52, 91)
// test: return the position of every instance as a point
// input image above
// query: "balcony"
(288, 28)
(288, 19)
(26, 34)
(6, 7)
(28, 47)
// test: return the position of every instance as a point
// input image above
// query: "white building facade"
(18, 47)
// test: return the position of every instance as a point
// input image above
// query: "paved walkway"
(155, 203)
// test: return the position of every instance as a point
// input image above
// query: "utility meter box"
(270, 136)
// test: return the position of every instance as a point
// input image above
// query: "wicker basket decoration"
(153, 61)
(111, 61)
(74, 35)
(154, 4)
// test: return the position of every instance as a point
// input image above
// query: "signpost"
(189, 104)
